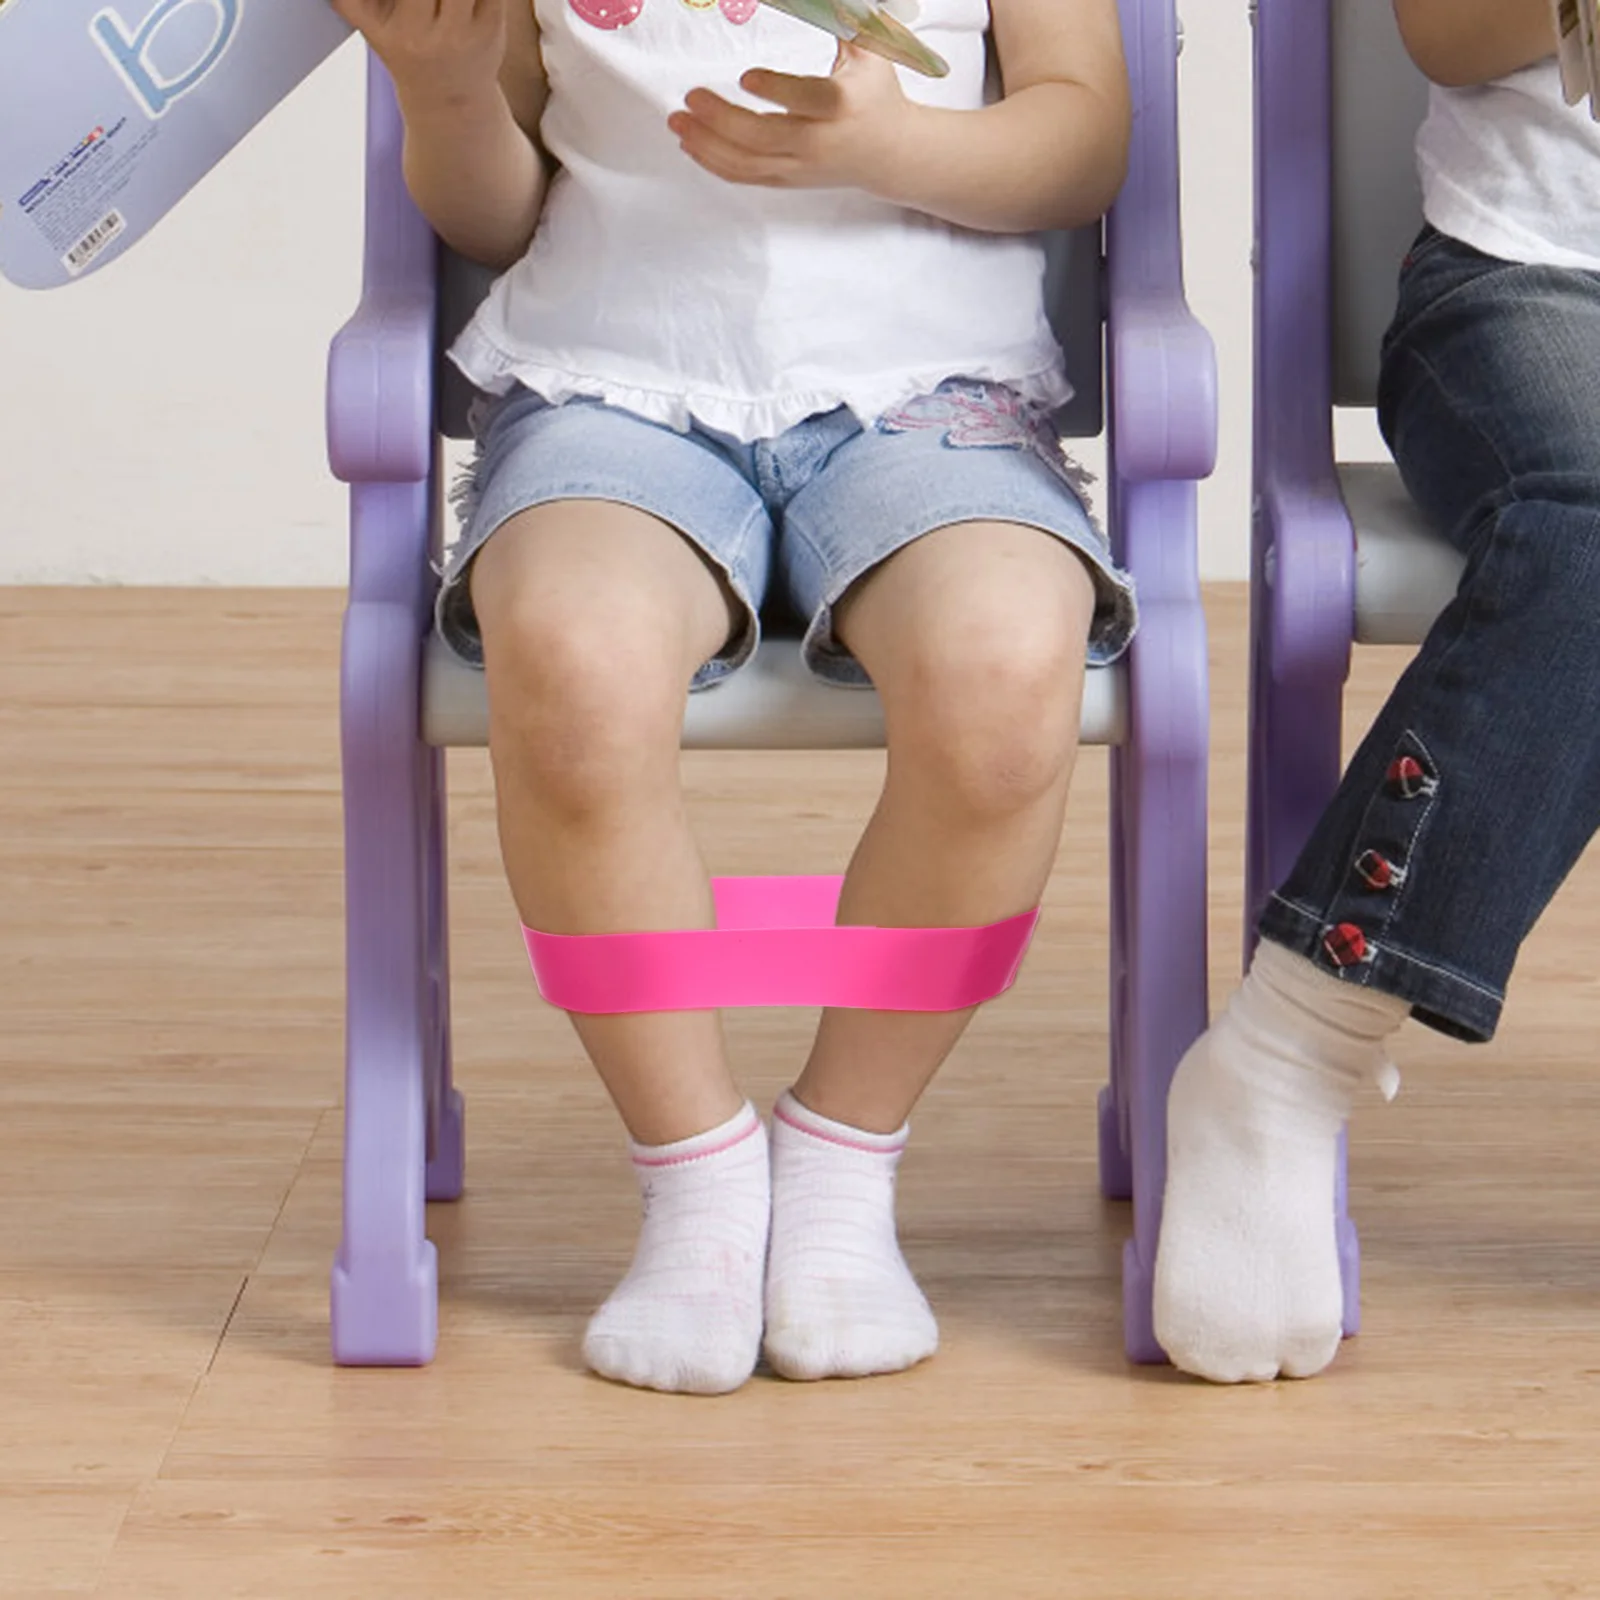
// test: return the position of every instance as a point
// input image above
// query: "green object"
(866, 23)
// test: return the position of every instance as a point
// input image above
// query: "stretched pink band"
(776, 944)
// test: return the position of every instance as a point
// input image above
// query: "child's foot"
(841, 1302)
(687, 1317)
(1247, 1282)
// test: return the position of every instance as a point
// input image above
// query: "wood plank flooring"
(170, 1039)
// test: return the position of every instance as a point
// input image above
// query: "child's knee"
(993, 719)
(1544, 557)
(588, 706)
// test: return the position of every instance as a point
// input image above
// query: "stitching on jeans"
(1497, 995)
(1397, 899)
(1383, 920)
(1307, 915)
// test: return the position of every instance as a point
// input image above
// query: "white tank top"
(1514, 171)
(671, 293)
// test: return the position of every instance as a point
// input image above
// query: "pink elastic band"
(776, 944)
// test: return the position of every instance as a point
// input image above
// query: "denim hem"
(1444, 1001)
(457, 625)
(1111, 631)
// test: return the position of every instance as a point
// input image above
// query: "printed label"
(112, 110)
(93, 242)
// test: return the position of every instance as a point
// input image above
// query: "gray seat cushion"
(1405, 573)
(773, 704)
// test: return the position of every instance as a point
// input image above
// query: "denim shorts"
(792, 522)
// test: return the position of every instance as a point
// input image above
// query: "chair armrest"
(1305, 582)
(1163, 389)
(380, 390)
(1163, 365)
(380, 414)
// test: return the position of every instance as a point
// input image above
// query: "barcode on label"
(93, 242)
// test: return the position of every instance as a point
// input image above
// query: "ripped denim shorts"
(805, 514)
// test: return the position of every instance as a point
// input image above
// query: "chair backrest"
(1074, 297)
(462, 287)
(1379, 101)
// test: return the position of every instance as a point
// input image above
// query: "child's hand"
(440, 53)
(835, 132)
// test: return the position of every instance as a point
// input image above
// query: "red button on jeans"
(1376, 870)
(1408, 778)
(1344, 944)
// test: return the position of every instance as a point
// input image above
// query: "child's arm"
(1459, 43)
(471, 87)
(1051, 154)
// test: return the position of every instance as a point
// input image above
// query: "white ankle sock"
(1247, 1282)
(687, 1317)
(841, 1302)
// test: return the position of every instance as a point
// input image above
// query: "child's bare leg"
(595, 617)
(975, 638)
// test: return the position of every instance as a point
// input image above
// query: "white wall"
(162, 421)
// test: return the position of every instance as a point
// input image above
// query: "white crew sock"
(1247, 1282)
(687, 1317)
(841, 1302)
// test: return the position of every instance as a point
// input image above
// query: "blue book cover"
(112, 110)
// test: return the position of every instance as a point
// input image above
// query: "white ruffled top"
(659, 288)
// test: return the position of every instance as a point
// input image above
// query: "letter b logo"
(134, 54)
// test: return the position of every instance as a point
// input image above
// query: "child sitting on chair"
(771, 319)
(1479, 784)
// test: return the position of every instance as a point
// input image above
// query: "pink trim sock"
(840, 1301)
(687, 1317)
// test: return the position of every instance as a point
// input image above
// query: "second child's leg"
(974, 637)
(594, 618)
(1463, 810)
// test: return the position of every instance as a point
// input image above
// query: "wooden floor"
(170, 1037)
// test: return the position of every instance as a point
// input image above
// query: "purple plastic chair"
(404, 700)
(1341, 554)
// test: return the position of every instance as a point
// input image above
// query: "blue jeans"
(1479, 784)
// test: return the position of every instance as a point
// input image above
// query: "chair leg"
(446, 1173)
(1259, 837)
(1349, 1243)
(1295, 763)
(1164, 859)
(385, 1278)
(1158, 794)
(1116, 1164)
(1295, 741)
